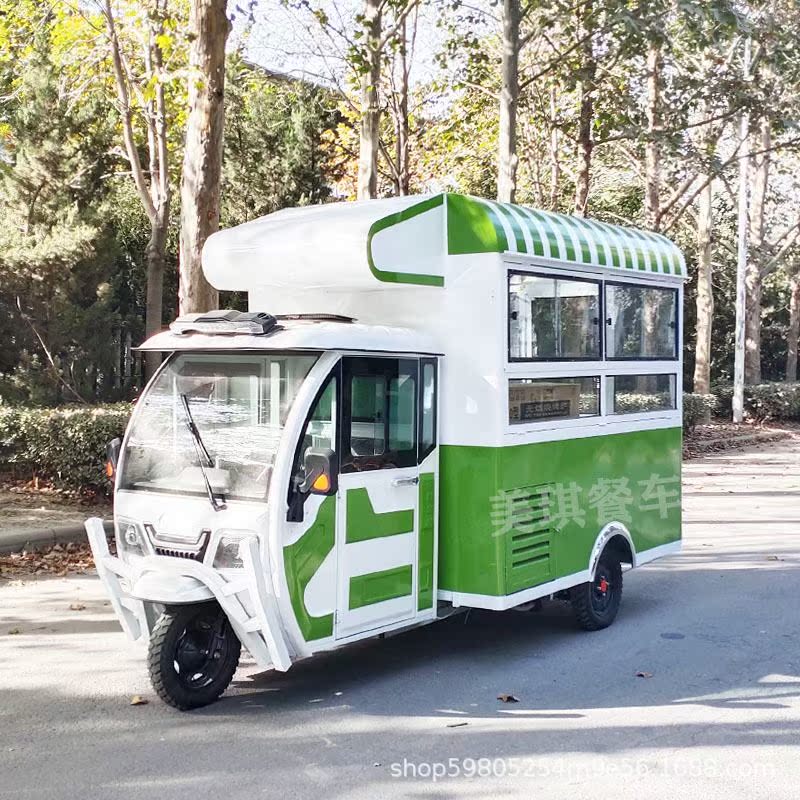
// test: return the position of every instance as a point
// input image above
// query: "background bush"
(763, 401)
(696, 408)
(66, 445)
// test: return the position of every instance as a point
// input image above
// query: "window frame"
(389, 459)
(676, 327)
(434, 363)
(566, 277)
(612, 412)
(552, 379)
(334, 375)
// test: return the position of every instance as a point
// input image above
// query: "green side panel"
(517, 516)
(301, 561)
(471, 227)
(375, 587)
(388, 276)
(363, 523)
(427, 506)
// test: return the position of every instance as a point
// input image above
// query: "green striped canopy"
(475, 225)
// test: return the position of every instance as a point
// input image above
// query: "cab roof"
(302, 334)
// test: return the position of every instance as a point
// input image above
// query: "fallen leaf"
(457, 724)
(138, 700)
(644, 674)
(507, 698)
(76, 607)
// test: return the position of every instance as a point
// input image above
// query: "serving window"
(552, 319)
(641, 322)
(538, 399)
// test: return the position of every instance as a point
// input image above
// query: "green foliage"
(696, 408)
(275, 153)
(764, 401)
(65, 445)
(54, 300)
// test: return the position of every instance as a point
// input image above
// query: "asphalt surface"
(417, 715)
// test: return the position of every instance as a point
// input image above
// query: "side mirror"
(112, 458)
(320, 471)
(320, 476)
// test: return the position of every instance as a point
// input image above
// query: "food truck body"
(446, 402)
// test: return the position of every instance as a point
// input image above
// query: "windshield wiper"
(202, 452)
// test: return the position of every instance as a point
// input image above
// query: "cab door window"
(379, 404)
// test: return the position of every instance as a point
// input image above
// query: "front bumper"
(132, 587)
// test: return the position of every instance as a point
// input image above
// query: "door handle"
(406, 481)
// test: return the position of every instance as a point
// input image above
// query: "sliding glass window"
(553, 319)
(632, 394)
(641, 322)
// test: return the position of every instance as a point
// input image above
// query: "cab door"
(378, 512)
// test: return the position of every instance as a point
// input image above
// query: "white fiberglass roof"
(303, 335)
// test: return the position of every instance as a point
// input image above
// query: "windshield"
(239, 405)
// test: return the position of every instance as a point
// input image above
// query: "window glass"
(552, 318)
(320, 430)
(640, 322)
(638, 393)
(402, 412)
(380, 424)
(238, 405)
(368, 423)
(534, 400)
(428, 438)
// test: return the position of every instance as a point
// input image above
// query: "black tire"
(192, 656)
(596, 603)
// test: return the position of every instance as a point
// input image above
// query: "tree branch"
(126, 115)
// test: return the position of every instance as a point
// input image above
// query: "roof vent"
(225, 321)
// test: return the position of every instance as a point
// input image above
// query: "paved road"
(720, 717)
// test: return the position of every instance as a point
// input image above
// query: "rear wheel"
(596, 602)
(193, 655)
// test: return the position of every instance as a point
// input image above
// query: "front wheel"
(193, 655)
(596, 602)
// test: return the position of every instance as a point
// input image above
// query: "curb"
(15, 541)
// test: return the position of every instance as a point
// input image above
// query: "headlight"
(130, 538)
(227, 554)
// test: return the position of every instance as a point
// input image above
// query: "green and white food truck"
(436, 403)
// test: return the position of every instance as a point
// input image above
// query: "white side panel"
(362, 558)
(415, 247)
(320, 595)
(321, 245)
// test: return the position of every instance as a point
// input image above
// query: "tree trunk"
(705, 295)
(753, 275)
(370, 108)
(509, 97)
(403, 167)
(155, 256)
(793, 333)
(202, 158)
(555, 160)
(586, 85)
(652, 148)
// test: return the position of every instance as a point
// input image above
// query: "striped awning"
(475, 225)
